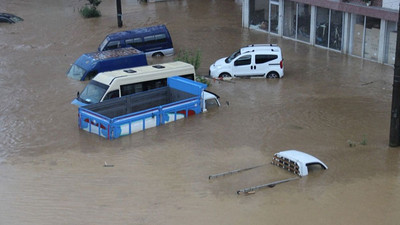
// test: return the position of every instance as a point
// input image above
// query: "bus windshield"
(76, 72)
(232, 57)
(93, 92)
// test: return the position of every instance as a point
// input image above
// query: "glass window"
(265, 58)
(161, 38)
(390, 44)
(112, 45)
(232, 57)
(131, 89)
(303, 21)
(290, 18)
(321, 35)
(258, 14)
(357, 35)
(149, 39)
(76, 72)
(371, 44)
(134, 42)
(93, 92)
(244, 60)
(112, 94)
(274, 18)
(335, 40)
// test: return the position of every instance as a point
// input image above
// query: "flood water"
(52, 173)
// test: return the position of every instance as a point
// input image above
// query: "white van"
(118, 83)
(258, 60)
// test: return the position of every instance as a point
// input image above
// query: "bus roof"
(142, 73)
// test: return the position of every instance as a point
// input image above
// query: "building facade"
(361, 28)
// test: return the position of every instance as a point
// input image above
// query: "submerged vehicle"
(154, 40)
(88, 65)
(296, 161)
(119, 83)
(136, 112)
(9, 18)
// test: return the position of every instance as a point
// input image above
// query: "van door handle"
(254, 67)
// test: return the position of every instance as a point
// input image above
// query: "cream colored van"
(118, 83)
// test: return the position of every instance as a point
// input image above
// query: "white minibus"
(118, 83)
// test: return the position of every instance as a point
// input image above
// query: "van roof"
(136, 31)
(261, 47)
(113, 53)
(141, 72)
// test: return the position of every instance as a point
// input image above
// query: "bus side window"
(112, 94)
(131, 89)
(188, 76)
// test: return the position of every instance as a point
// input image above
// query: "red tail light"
(281, 64)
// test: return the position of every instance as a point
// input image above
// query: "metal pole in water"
(232, 172)
(271, 185)
(119, 13)
(395, 120)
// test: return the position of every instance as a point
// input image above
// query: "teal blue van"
(153, 41)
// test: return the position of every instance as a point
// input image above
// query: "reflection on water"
(52, 173)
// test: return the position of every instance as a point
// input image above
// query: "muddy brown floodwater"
(52, 173)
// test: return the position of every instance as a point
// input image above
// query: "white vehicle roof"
(296, 161)
(141, 73)
(261, 47)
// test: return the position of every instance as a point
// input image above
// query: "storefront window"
(371, 45)
(258, 14)
(290, 18)
(390, 44)
(274, 18)
(322, 30)
(335, 40)
(303, 29)
(357, 35)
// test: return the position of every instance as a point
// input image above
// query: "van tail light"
(281, 63)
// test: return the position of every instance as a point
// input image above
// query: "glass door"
(274, 16)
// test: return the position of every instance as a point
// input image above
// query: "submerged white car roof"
(296, 161)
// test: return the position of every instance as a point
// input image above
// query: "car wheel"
(224, 75)
(158, 54)
(272, 75)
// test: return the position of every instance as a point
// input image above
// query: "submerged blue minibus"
(154, 41)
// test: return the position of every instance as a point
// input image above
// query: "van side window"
(244, 60)
(112, 94)
(134, 42)
(158, 38)
(131, 89)
(265, 58)
(113, 45)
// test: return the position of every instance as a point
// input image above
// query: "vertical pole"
(395, 122)
(119, 13)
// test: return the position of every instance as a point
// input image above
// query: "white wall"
(391, 4)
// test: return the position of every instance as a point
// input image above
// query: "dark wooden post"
(119, 13)
(395, 120)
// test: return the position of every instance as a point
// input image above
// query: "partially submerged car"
(296, 161)
(9, 18)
